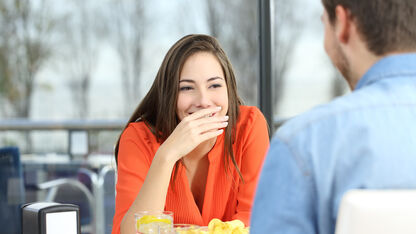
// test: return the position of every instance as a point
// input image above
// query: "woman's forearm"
(152, 195)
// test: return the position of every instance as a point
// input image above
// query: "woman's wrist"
(164, 158)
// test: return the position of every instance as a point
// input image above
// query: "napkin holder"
(50, 218)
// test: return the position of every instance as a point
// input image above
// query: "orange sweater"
(222, 199)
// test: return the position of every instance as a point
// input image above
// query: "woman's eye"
(215, 86)
(185, 88)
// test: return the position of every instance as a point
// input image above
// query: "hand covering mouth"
(209, 115)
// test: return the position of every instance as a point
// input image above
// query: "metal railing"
(28, 125)
(71, 126)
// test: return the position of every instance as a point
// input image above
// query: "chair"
(377, 211)
(107, 183)
(103, 186)
(67, 190)
(12, 192)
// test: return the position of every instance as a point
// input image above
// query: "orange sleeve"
(133, 163)
(253, 153)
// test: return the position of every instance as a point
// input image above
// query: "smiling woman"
(176, 151)
(201, 85)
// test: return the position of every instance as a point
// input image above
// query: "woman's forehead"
(202, 65)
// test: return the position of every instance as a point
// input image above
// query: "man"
(364, 140)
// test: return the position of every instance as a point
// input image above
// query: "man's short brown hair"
(385, 25)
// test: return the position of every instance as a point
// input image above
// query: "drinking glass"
(154, 222)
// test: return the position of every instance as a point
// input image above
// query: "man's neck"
(360, 63)
(364, 62)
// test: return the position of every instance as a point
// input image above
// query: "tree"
(287, 29)
(82, 30)
(25, 45)
(128, 26)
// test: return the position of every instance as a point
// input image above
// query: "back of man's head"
(386, 26)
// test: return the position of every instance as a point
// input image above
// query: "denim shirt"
(366, 139)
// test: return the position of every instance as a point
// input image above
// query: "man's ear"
(343, 24)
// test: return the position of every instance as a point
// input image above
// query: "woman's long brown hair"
(158, 107)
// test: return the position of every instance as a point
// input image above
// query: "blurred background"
(72, 72)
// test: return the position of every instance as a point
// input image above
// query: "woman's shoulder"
(138, 127)
(251, 119)
(138, 130)
(250, 114)
(251, 129)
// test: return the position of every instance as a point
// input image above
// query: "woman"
(190, 146)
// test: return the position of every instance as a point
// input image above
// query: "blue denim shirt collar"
(390, 66)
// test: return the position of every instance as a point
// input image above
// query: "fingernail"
(226, 117)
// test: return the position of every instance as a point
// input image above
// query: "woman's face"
(201, 85)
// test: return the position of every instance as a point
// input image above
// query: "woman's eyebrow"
(187, 80)
(214, 78)
(208, 80)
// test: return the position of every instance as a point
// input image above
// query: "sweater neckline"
(214, 157)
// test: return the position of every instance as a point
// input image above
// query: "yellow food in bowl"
(236, 226)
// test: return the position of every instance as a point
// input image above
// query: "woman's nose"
(204, 100)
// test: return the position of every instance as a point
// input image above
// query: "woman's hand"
(192, 131)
